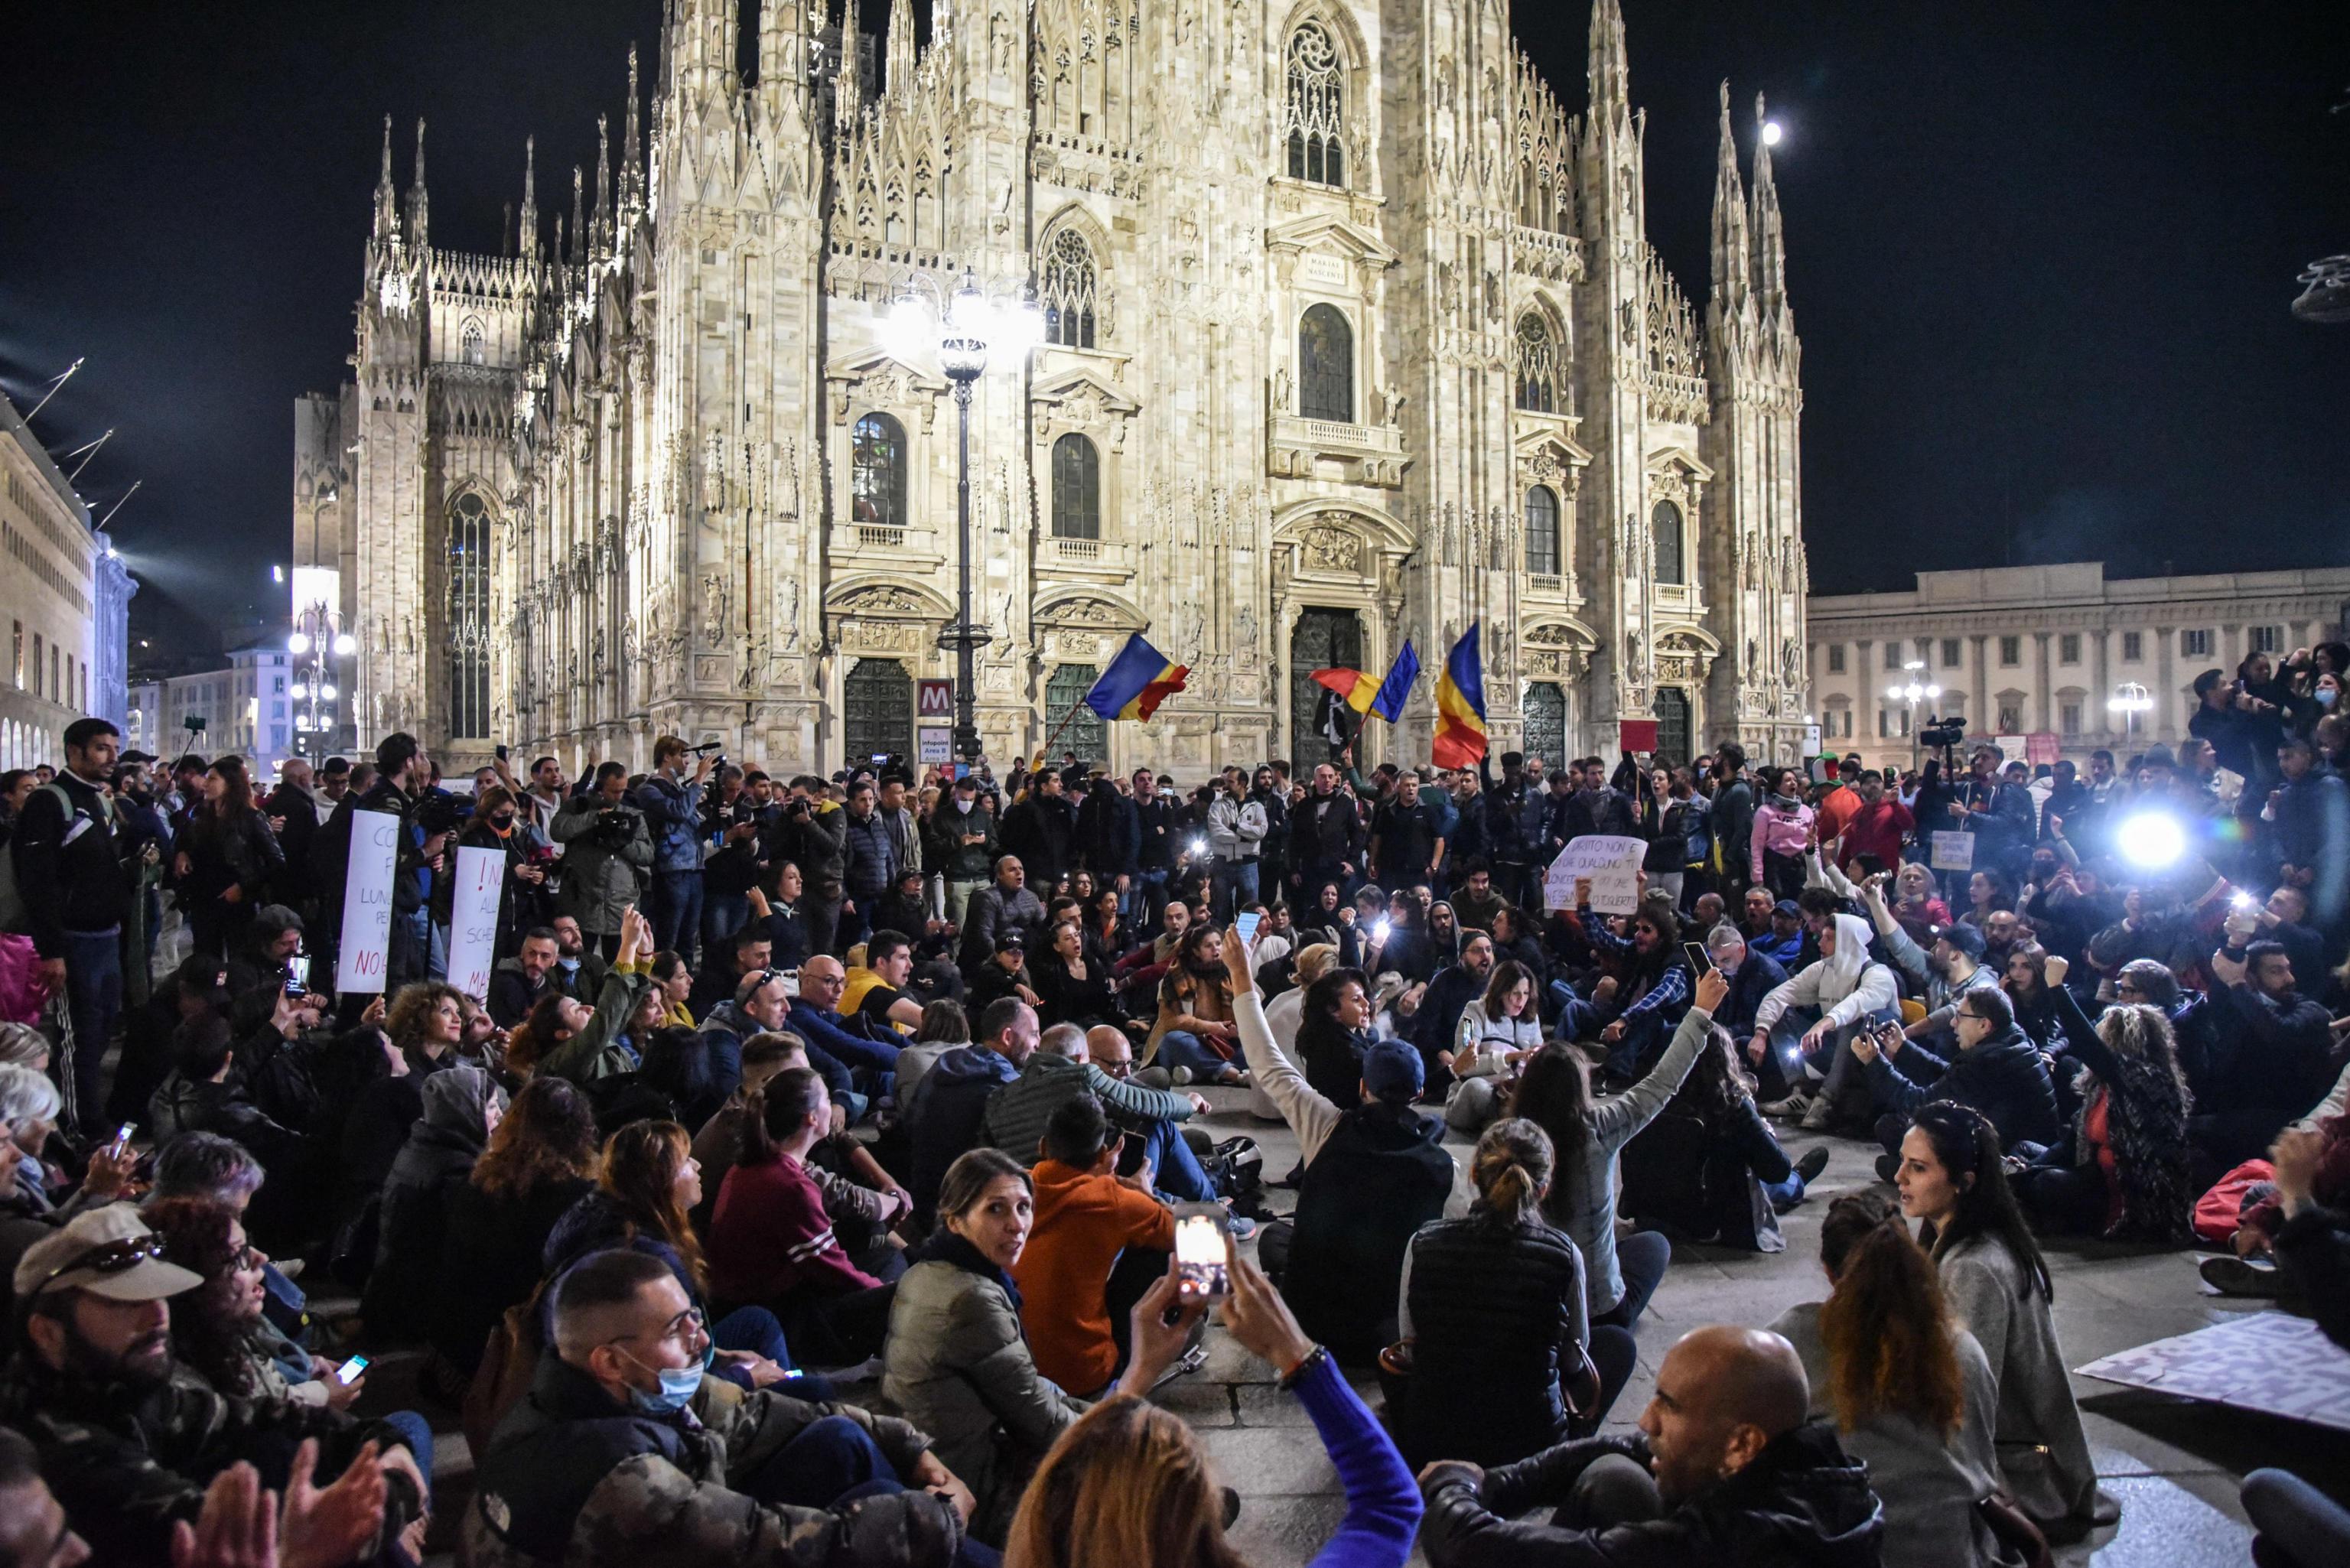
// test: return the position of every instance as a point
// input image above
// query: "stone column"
(1983, 718)
(2098, 720)
(2042, 696)
(2163, 721)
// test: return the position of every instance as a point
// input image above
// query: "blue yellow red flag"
(1138, 680)
(1460, 705)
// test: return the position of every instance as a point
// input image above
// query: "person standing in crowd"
(870, 863)
(671, 801)
(1406, 846)
(1781, 836)
(1326, 836)
(77, 889)
(607, 856)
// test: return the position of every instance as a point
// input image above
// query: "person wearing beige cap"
(123, 1441)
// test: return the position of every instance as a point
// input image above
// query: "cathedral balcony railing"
(1084, 550)
(1295, 447)
(880, 537)
(1539, 253)
(1682, 398)
(1547, 583)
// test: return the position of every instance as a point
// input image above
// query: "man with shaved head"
(1726, 1472)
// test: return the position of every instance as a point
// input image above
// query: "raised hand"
(327, 1529)
(237, 1527)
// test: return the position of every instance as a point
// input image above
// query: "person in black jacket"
(1325, 835)
(2269, 1061)
(227, 859)
(1041, 828)
(402, 771)
(69, 850)
(1995, 1070)
(1746, 1480)
(1710, 1167)
(1496, 1349)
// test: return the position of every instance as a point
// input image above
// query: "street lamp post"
(1912, 693)
(320, 648)
(965, 328)
(2129, 699)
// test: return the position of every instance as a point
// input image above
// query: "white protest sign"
(1612, 863)
(473, 919)
(1952, 852)
(366, 902)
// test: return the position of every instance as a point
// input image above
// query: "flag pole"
(1045, 750)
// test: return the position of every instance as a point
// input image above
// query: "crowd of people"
(805, 1185)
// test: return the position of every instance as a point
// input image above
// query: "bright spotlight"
(297, 643)
(2152, 839)
(1772, 133)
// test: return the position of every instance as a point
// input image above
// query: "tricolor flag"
(1386, 698)
(1460, 705)
(1138, 680)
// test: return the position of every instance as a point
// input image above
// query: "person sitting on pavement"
(760, 1005)
(948, 1115)
(462, 1107)
(748, 951)
(1780, 933)
(1633, 1012)
(1436, 1021)
(1953, 965)
(1094, 1225)
(624, 1453)
(1909, 1390)
(1812, 1020)
(563, 1038)
(1994, 1070)
(1494, 1360)
(1731, 1472)
(1060, 1070)
(2270, 1058)
(878, 992)
(128, 1441)
(958, 1363)
(1497, 1033)
(869, 1051)
(1752, 975)
(1194, 1031)
(1709, 1168)
(519, 982)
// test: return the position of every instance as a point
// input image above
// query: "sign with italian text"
(366, 902)
(1612, 863)
(473, 919)
(1952, 852)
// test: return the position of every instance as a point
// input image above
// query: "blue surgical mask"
(2325, 696)
(678, 1387)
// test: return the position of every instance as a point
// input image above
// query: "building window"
(1950, 654)
(1326, 366)
(1086, 734)
(2011, 651)
(2009, 716)
(1835, 659)
(474, 347)
(1314, 108)
(1885, 723)
(278, 683)
(1892, 656)
(16, 656)
(2068, 648)
(1542, 532)
(1069, 291)
(469, 617)
(2133, 646)
(1537, 366)
(1664, 522)
(2265, 640)
(1076, 489)
(2195, 644)
(877, 473)
(36, 664)
(2069, 718)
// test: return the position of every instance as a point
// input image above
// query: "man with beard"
(1040, 827)
(1634, 1012)
(128, 1441)
(1731, 1472)
(1438, 1018)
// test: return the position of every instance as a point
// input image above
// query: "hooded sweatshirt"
(442, 1145)
(1844, 986)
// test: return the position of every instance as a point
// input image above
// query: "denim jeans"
(1181, 1048)
(756, 1330)
(418, 1433)
(674, 907)
(1175, 1171)
(94, 1002)
(723, 914)
(1236, 887)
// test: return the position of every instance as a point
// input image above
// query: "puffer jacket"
(598, 882)
(1801, 1502)
(573, 1478)
(2004, 1078)
(958, 1367)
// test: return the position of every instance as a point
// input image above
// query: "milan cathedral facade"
(1352, 334)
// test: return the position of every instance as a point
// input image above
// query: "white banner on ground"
(366, 902)
(473, 919)
(1952, 852)
(1612, 863)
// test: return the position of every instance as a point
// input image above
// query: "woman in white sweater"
(1497, 1031)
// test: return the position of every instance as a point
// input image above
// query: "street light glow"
(298, 642)
(345, 645)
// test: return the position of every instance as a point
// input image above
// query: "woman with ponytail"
(1910, 1391)
(1952, 1183)
(1497, 1359)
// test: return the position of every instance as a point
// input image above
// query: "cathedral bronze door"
(1325, 638)
(878, 710)
(1545, 712)
(1672, 706)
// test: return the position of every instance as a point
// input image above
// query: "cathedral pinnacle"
(1732, 263)
(1611, 87)
(900, 75)
(387, 209)
(849, 82)
(578, 217)
(603, 182)
(526, 234)
(1770, 239)
(419, 208)
(631, 144)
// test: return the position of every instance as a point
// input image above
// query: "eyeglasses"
(114, 1258)
(680, 1328)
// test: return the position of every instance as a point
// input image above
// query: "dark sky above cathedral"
(2040, 256)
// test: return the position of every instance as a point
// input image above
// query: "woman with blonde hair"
(1495, 1360)
(1131, 1484)
(1911, 1390)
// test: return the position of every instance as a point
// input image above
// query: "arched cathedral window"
(1542, 532)
(1069, 291)
(469, 617)
(1076, 488)
(877, 472)
(1667, 521)
(1537, 366)
(1314, 108)
(1326, 366)
(472, 346)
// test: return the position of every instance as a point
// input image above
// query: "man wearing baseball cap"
(124, 1441)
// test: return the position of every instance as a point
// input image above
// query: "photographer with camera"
(814, 836)
(608, 854)
(671, 799)
(731, 824)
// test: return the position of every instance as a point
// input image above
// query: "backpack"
(15, 917)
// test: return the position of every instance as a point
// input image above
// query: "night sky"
(2041, 254)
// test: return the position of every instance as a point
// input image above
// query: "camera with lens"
(616, 826)
(1943, 733)
(438, 813)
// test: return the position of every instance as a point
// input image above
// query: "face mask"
(567, 965)
(2325, 696)
(678, 1387)
(501, 822)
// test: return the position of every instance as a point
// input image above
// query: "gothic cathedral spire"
(900, 69)
(1611, 85)
(1770, 238)
(579, 224)
(419, 208)
(387, 201)
(526, 235)
(1733, 265)
(848, 83)
(632, 149)
(603, 182)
